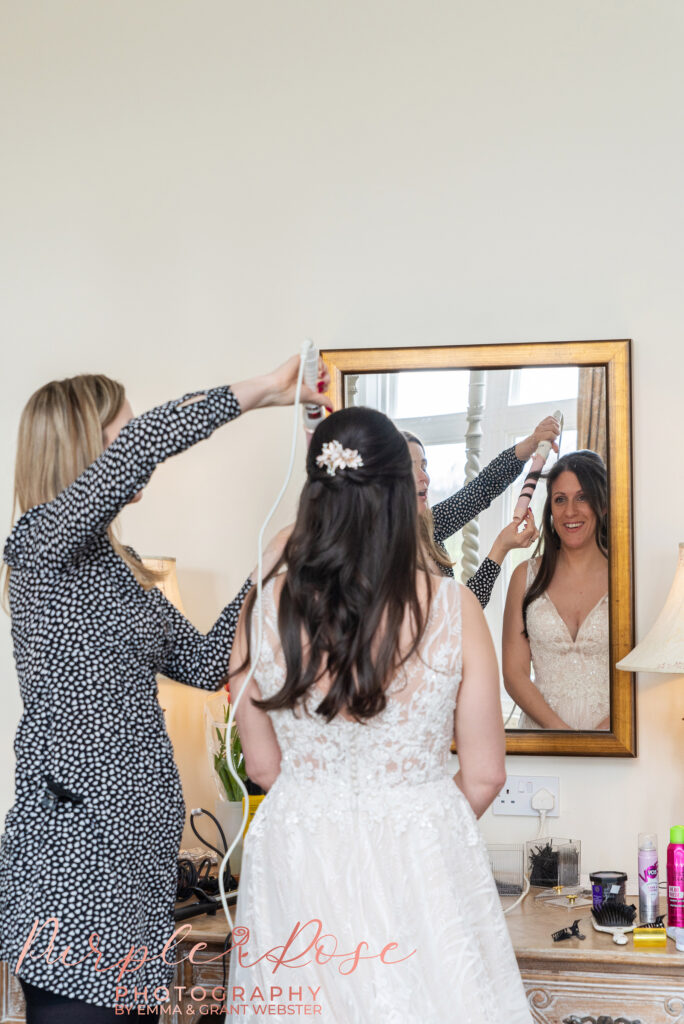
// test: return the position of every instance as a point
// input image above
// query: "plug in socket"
(516, 795)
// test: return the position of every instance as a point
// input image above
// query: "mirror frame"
(615, 358)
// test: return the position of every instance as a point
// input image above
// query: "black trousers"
(48, 1008)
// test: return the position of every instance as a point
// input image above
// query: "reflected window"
(531, 384)
(446, 468)
(430, 393)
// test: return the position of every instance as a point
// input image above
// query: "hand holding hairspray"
(538, 460)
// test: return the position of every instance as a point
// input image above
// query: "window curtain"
(591, 410)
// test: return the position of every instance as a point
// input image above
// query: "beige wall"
(190, 189)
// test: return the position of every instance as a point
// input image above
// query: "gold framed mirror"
(468, 402)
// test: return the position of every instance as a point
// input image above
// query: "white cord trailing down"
(542, 802)
(307, 345)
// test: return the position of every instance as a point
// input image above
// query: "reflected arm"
(517, 658)
(481, 583)
(453, 513)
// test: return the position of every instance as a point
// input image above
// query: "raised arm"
(481, 583)
(51, 535)
(515, 535)
(517, 659)
(478, 722)
(453, 513)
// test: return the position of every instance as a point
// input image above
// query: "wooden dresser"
(572, 982)
(593, 980)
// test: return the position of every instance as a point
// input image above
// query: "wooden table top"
(530, 925)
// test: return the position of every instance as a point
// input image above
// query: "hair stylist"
(92, 840)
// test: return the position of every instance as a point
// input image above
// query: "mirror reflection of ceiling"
(496, 408)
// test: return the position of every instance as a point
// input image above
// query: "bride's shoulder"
(525, 572)
(455, 598)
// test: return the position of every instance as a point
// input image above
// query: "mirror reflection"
(543, 582)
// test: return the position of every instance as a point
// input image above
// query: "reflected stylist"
(443, 520)
(92, 839)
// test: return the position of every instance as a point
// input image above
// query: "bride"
(366, 890)
(556, 615)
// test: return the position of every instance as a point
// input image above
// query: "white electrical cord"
(510, 714)
(521, 897)
(542, 802)
(255, 654)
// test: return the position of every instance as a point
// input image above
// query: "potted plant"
(226, 749)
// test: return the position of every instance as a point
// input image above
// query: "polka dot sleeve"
(50, 536)
(195, 658)
(453, 513)
(482, 582)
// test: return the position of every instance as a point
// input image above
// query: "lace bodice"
(572, 676)
(406, 744)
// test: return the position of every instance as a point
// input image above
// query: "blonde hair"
(426, 527)
(61, 432)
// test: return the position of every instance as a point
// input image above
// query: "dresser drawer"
(573, 997)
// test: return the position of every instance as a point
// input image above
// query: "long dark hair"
(590, 470)
(351, 571)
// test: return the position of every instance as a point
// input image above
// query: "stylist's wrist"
(525, 448)
(256, 393)
(498, 552)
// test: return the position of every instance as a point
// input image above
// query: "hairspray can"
(648, 877)
(675, 886)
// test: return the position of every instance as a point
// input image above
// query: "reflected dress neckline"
(591, 611)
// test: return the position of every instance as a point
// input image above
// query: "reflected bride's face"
(420, 474)
(574, 519)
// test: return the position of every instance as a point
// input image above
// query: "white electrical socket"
(518, 790)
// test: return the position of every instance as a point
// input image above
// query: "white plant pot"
(229, 813)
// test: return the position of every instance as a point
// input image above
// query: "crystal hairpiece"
(333, 456)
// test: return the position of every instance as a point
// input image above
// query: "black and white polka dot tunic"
(452, 514)
(93, 836)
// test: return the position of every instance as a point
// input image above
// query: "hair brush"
(615, 918)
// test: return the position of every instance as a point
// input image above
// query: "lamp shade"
(169, 584)
(662, 649)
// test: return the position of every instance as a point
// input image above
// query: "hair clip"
(572, 932)
(333, 456)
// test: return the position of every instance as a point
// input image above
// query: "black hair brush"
(615, 918)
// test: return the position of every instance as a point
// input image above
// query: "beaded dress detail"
(573, 676)
(365, 831)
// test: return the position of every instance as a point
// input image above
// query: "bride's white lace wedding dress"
(365, 831)
(573, 676)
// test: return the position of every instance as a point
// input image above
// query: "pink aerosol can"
(675, 886)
